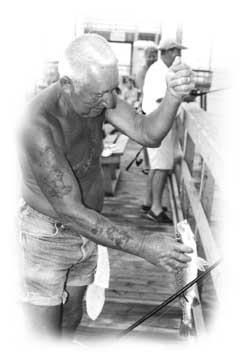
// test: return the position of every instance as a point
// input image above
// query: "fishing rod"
(198, 92)
(135, 159)
(180, 292)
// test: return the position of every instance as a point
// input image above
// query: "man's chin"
(96, 112)
(93, 112)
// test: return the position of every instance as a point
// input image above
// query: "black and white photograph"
(125, 182)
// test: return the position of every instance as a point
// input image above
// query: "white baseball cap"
(169, 44)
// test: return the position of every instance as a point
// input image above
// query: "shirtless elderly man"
(60, 149)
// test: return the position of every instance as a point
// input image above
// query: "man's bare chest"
(84, 145)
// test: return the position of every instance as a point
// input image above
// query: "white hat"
(169, 44)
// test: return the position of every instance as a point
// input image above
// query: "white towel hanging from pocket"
(95, 295)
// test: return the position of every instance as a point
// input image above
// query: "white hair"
(84, 55)
(150, 45)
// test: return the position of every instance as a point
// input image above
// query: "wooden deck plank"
(123, 318)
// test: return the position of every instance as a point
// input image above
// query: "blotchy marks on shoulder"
(119, 237)
(53, 176)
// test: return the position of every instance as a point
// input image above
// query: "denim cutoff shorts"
(53, 257)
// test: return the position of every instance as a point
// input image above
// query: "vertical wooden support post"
(207, 193)
(131, 58)
(184, 200)
(200, 189)
(180, 129)
(179, 32)
(189, 152)
(203, 102)
(157, 38)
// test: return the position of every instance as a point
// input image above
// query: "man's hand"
(180, 79)
(165, 252)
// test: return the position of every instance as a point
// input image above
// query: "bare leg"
(158, 184)
(148, 193)
(43, 320)
(72, 310)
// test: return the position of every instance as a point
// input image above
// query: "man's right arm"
(56, 180)
(149, 130)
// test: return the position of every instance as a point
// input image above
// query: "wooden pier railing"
(196, 183)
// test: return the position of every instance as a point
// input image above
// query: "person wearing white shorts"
(161, 159)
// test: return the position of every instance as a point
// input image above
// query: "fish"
(186, 275)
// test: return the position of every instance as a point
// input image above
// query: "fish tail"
(186, 328)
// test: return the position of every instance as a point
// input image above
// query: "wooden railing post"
(207, 193)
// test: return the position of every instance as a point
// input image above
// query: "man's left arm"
(150, 129)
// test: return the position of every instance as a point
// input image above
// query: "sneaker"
(162, 218)
(145, 209)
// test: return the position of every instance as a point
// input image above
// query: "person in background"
(60, 146)
(150, 57)
(131, 93)
(161, 159)
(50, 75)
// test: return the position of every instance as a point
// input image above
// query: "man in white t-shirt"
(162, 158)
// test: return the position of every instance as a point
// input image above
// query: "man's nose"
(109, 100)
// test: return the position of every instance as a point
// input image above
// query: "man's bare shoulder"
(40, 123)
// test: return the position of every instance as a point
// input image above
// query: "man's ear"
(66, 84)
